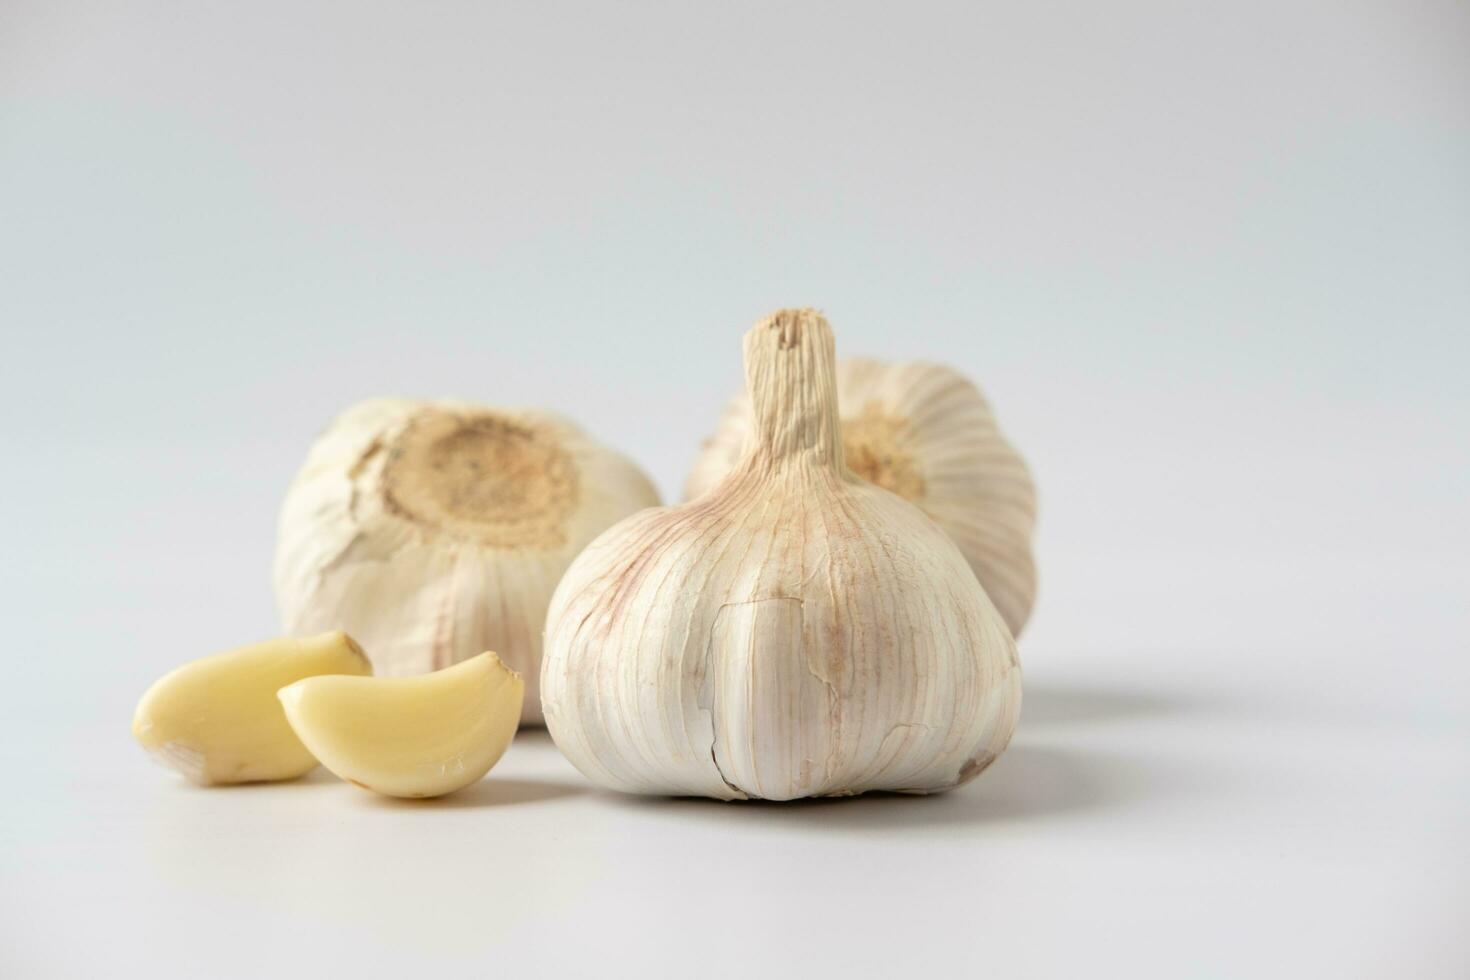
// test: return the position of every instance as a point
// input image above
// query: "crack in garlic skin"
(795, 632)
(436, 530)
(926, 433)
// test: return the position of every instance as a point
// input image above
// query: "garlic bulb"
(926, 433)
(432, 531)
(794, 632)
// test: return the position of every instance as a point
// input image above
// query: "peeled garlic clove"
(796, 631)
(926, 433)
(410, 736)
(217, 720)
(434, 530)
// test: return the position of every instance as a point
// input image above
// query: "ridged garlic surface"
(796, 631)
(925, 432)
(432, 531)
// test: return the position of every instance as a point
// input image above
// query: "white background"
(1210, 262)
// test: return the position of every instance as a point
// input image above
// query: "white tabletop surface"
(1208, 261)
(1201, 809)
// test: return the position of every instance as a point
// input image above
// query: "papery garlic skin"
(794, 632)
(926, 433)
(433, 531)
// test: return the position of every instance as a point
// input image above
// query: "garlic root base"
(433, 531)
